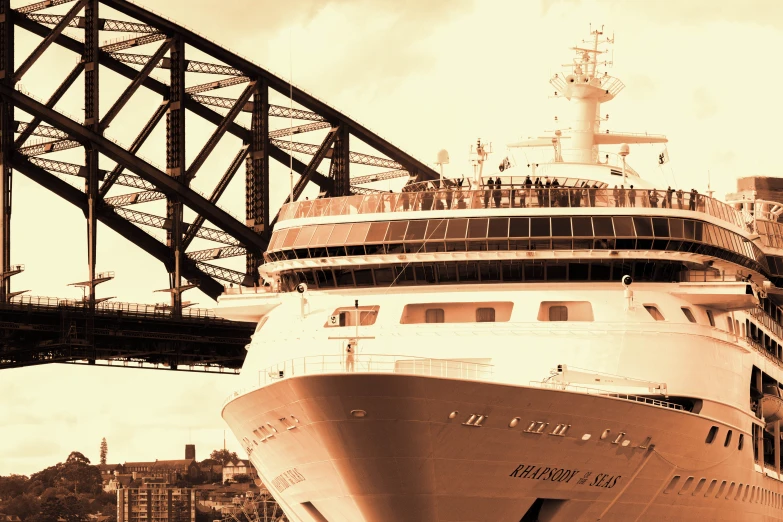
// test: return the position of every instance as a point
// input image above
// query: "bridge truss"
(33, 131)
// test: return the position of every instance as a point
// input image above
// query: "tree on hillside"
(223, 456)
(104, 450)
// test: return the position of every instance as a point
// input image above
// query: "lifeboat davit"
(772, 404)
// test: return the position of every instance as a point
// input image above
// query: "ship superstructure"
(562, 341)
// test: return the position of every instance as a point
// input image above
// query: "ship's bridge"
(562, 233)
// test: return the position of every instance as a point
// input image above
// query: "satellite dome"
(443, 157)
(624, 149)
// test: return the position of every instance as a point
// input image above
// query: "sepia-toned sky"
(425, 75)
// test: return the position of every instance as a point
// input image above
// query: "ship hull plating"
(421, 452)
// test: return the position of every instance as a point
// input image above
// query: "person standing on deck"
(487, 191)
(349, 356)
(497, 194)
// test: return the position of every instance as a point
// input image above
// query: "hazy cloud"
(704, 103)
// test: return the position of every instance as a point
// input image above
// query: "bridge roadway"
(39, 330)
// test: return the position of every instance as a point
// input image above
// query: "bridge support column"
(257, 179)
(175, 167)
(92, 122)
(6, 145)
(339, 170)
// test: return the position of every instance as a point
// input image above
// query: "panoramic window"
(421, 313)
(565, 311)
(346, 316)
(654, 312)
(688, 314)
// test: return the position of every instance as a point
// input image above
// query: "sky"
(424, 75)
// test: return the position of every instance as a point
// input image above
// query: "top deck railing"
(107, 307)
(513, 197)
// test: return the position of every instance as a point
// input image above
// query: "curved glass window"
(623, 226)
(643, 226)
(457, 229)
(498, 228)
(377, 232)
(561, 227)
(416, 230)
(436, 229)
(358, 234)
(396, 231)
(477, 228)
(539, 227)
(340, 234)
(519, 227)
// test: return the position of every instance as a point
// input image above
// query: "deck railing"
(604, 393)
(513, 197)
(369, 363)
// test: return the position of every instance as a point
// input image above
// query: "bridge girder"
(79, 32)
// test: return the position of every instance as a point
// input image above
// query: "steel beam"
(114, 221)
(218, 84)
(192, 230)
(315, 162)
(133, 87)
(116, 172)
(354, 157)
(51, 102)
(41, 130)
(47, 147)
(257, 180)
(104, 24)
(381, 176)
(134, 198)
(146, 171)
(298, 129)
(91, 122)
(223, 274)
(219, 132)
(340, 169)
(136, 41)
(38, 6)
(299, 96)
(72, 169)
(48, 40)
(6, 144)
(216, 253)
(175, 167)
(151, 220)
(190, 65)
(296, 114)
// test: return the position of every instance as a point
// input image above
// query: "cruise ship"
(562, 340)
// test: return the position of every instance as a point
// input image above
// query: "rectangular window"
(654, 312)
(688, 314)
(710, 317)
(558, 313)
(485, 315)
(434, 315)
(731, 324)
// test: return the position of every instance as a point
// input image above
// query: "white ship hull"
(407, 460)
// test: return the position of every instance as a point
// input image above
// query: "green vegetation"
(70, 490)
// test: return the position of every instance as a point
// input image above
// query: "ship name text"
(600, 480)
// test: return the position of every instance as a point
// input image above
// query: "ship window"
(728, 439)
(416, 230)
(358, 234)
(519, 227)
(711, 435)
(539, 227)
(485, 315)
(396, 231)
(436, 229)
(700, 486)
(434, 315)
(457, 229)
(687, 486)
(561, 227)
(643, 226)
(565, 311)
(741, 441)
(654, 312)
(558, 313)
(731, 324)
(711, 317)
(583, 227)
(623, 226)
(477, 228)
(688, 314)
(347, 316)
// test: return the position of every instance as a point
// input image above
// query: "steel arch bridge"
(29, 147)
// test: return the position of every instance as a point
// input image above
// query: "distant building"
(170, 470)
(190, 451)
(156, 501)
(236, 467)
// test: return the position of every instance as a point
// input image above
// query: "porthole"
(712, 434)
